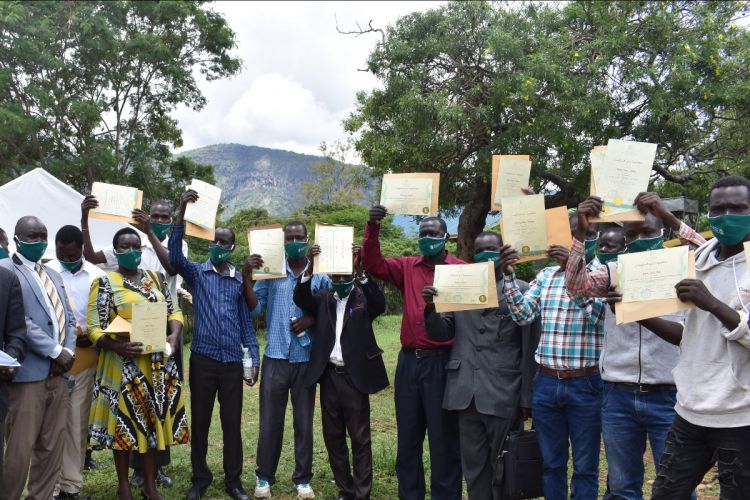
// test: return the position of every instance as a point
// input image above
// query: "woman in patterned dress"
(137, 402)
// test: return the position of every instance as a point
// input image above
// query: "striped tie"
(54, 298)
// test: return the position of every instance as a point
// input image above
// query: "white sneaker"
(305, 491)
(262, 488)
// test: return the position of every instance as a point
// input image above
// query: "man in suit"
(346, 360)
(39, 392)
(489, 375)
(12, 341)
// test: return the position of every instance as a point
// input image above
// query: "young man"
(636, 364)
(347, 362)
(420, 373)
(284, 363)
(77, 275)
(39, 392)
(567, 396)
(222, 326)
(490, 374)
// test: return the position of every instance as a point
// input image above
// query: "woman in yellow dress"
(137, 402)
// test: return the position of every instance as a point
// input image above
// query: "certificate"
(8, 361)
(624, 173)
(201, 215)
(335, 249)
(647, 282)
(510, 174)
(410, 194)
(115, 202)
(268, 242)
(465, 286)
(597, 158)
(524, 225)
(746, 247)
(149, 326)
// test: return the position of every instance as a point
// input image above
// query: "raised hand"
(588, 208)
(559, 253)
(428, 293)
(189, 196)
(143, 220)
(255, 261)
(692, 290)
(377, 213)
(89, 203)
(508, 258)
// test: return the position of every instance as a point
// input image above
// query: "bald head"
(31, 229)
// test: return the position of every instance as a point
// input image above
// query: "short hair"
(69, 234)
(231, 232)
(123, 232)
(611, 228)
(25, 220)
(730, 181)
(491, 233)
(164, 202)
(2, 232)
(443, 225)
(295, 223)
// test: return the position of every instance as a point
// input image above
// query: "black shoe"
(162, 479)
(195, 493)
(137, 480)
(89, 463)
(238, 493)
(71, 496)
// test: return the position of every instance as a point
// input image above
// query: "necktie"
(54, 298)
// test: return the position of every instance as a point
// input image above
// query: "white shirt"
(78, 285)
(337, 357)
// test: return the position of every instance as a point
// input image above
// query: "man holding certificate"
(490, 374)
(420, 373)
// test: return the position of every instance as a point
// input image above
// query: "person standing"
(421, 370)
(4, 253)
(222, 327)
(490, 374)
(39, 400)
(284, 362)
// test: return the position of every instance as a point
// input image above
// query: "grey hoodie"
(713, 373)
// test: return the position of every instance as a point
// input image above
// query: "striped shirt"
(572, 327)
(222, 320)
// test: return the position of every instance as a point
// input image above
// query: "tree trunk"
(472, 219)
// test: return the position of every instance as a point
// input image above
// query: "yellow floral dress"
(137, 402)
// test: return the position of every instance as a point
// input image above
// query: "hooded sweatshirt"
(713, 373)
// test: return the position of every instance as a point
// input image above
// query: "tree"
(335, 180)
(87, 88)
(470, 79)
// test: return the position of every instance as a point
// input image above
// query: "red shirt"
(410, 275)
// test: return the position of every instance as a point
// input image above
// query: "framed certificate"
(510, 174)
(410, 194)
(200, 217)
(116, 203)
(268, 242)
(335, 249)
(463, 287)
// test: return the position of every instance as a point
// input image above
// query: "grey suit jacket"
(12, 326)
(491, 361)
(40, 338)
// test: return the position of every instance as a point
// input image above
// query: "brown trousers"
(36, 421)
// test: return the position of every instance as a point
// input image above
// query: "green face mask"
(590, 247)
(32, 251)
(730, 229)
(488, 255)
(605, 257)
(645, 244)
(343, 289)
(73, 265)
(429, 246)
(296, 249)
(4, 253)
(129, 260)
(160, 230)
(219, 255)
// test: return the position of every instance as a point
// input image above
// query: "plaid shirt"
(581, 280)
(572, 327)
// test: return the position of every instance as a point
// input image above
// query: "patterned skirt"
(137, 403)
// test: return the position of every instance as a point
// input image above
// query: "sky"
(299, 76)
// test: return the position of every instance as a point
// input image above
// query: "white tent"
(41, 194)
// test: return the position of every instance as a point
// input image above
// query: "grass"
(101, 483)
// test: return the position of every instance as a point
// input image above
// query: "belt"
(629, 386)
(336, 368)
(581, 372)
(425, 353)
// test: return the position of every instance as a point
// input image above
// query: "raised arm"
(180, 263)
(143, 220)
(390, 270)
(92, 255)
(524, 307)
(375, 298)
(304, 297)
(578, 279)
(652, 202)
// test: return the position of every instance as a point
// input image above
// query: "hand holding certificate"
(463, 287)
(200, 217)
(116, 203)
(335, 249)
(268, 242)
(510, 176)
(149, 326)
(410, 194)
(523, 225)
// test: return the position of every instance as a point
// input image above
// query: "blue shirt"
(222, 323)
(276, 295)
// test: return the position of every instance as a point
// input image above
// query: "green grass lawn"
(100, 484)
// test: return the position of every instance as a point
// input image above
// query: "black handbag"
(519, 465)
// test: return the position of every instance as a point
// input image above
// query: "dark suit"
(12, 338)
(489, 378)
(344, 390)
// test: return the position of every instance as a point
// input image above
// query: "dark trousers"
(690, 452)
(208, 378)
(419, 387)
(482, 438)
(279, 378)
(163, 458)
(344, 409)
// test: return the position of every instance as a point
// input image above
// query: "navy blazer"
(12, 326)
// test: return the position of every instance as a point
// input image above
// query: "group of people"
(551, 351)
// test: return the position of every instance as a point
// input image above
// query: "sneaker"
(262, 488)
(305, 491)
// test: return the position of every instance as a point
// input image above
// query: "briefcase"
(519, 466)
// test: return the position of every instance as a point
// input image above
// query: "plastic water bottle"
(303, 338)
(247, 364)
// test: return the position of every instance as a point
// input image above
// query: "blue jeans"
(629, 418)
(569, 410)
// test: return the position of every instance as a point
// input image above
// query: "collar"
(339, 299)
(85, 267)
(208, 266)
(26, 262)
(423, 260)
(289, 269)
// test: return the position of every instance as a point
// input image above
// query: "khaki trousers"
(33, 449)
(76, 433)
